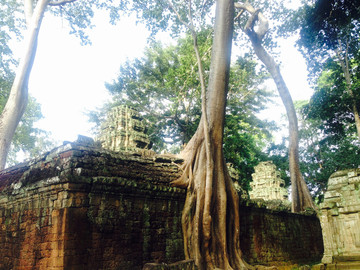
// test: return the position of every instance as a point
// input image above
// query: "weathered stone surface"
(278, 237)
(267, 183)
(181, 265)
(340, 220)
(82, 207)
(124, 130)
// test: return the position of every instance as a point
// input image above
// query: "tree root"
(211, 239)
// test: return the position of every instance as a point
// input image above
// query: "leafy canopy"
(163, 86)
(329, 25)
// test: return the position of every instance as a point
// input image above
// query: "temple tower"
(124, 130)
(267, 183)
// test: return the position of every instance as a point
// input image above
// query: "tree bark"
(301, 197)
(17, 101)
(210, 218)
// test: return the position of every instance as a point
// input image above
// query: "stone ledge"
(76, 163)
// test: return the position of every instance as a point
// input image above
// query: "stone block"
(331, 267)
(330, 194)
(318, 267)
(353, 180)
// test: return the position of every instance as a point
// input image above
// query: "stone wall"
(80, 207)
(340, 220)
(277, 237)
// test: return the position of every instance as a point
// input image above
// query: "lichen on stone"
(124, 130)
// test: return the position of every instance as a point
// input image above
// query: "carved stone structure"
(82, 207)
(340, 221)
(124, 130)
(267, 183)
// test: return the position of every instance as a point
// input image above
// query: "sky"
(68, 79)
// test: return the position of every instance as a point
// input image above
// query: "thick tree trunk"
(301, 198)
(210, 217)
(16, 104)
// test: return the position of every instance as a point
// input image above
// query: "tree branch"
(60, 2)
(256, 15)
(28, 9)
(178, 15)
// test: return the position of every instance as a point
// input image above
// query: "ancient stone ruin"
(267, 183)
(340, 221)
(83, 206)
(124, 130)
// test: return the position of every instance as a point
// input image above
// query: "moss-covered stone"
(124, 130)
(340, 220)
(267, 183)
(83, 207)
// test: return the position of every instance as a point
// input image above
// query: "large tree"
(328, 132)
(330, 37)
(210, 217)
(301, 197)
(331, 103)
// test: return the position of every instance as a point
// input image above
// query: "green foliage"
(161, 16)
(79, 15)
(28, 139)
(242, 147)
(279, 155)
(10, 27)
(329, 37)
(322, 152)
(163, 86)
(331, 103)
(327, 26)
(330, 20)
(245, 135)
